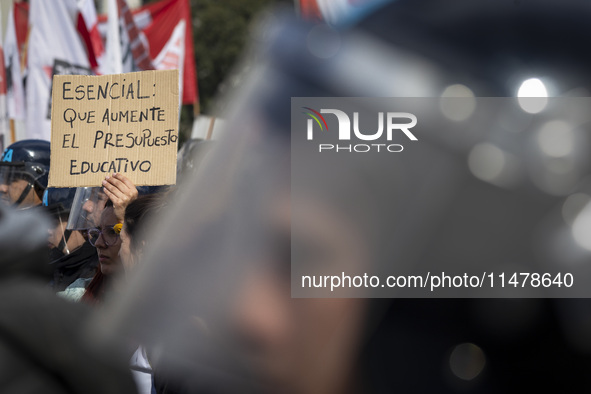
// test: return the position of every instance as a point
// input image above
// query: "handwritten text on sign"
(125, 123)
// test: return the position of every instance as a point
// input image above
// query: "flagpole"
(210, 129)
(113, 47)
(12, 132)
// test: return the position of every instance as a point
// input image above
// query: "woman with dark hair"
(133, 235)
(107, 242)
(105, 238)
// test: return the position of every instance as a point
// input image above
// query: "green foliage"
(220, 32)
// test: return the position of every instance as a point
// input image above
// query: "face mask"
(56, 253)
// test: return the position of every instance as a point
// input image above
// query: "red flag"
(4, 129)
(14, 61)
(310, 11)
(337, 12)
(87, 25)
(21, 27)
(142, 58)
(165, 16)
(2, 69)
(54, 48)
(159, 22)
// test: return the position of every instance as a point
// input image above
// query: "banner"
(66, 37)
(14, 55)
(54, 47)
(113, 43)
(4, 128)
(166, 17)
(125, 123)
(309, 10)
(166, 26)
(87, 25)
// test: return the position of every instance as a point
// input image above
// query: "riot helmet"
(59, 201)
(24, 166)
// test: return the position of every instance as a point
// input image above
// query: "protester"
(105, 239)
(24, 168)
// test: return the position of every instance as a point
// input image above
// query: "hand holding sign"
(125, 124)
(121, 191)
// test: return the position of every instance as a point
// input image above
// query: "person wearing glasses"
(105, 238)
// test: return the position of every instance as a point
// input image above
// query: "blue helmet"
(27, 160)
(58, 201)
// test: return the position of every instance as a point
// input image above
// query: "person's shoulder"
(76, 290)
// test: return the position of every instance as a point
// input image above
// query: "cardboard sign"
(125, 123)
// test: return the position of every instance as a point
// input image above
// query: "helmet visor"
(10, 172)
(13, 181)
(87, 207)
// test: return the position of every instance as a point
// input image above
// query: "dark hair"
(138, 213)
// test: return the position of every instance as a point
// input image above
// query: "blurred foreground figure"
(133, 240)
(43, 346)
(24, 168)
(190, 156)
(212, 299)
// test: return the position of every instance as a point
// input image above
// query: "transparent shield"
(87, 206)
(212, 295)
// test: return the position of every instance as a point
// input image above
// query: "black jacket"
(81, 263)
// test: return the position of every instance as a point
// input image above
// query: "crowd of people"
(90, 245)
